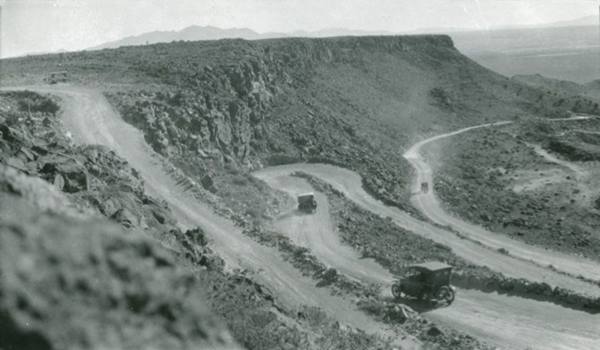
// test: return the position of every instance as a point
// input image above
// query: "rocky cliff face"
(224, 106)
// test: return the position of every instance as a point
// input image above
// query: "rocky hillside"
(89, 261)
(350, 101)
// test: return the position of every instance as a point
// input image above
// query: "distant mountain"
(192, 33)
(196, 33)
(331, 32)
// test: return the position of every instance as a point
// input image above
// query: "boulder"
(16, 163)
(72, 171)
(37, 192)
(328, 277)
(434, 331)
(396, 314)
(126, 218)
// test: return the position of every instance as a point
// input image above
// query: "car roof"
(432, 266)
(306, 194)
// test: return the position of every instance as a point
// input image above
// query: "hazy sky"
(49, 25)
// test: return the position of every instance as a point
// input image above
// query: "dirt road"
(508, 322)
(91, 120)
(430, 206)
(515, 323)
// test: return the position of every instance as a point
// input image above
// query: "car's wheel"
(446, 294)
(397, 290)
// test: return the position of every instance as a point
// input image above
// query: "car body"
(430, 280)
(56, 77)
(307, 202)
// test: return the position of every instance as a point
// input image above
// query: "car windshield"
(416, 275)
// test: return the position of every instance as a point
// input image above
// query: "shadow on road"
(295, 212)
(420, 306)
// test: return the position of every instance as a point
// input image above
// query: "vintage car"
(307, 202)
(57, 77)
(426, 281)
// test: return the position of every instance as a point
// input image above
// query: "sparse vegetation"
(31, 102)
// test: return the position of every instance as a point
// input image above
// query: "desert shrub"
(32, 102)
(255, 213)
(240, 180)
(441, 97)
(280, 159)
(372, 307)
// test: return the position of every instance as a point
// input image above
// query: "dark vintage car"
(56, 77)
(426, 281)
(307, 202)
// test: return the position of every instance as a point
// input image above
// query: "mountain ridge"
(209, 32)
(190, 33)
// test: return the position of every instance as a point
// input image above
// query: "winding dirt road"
(509, 322)
(429, 205)
(91, 120)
